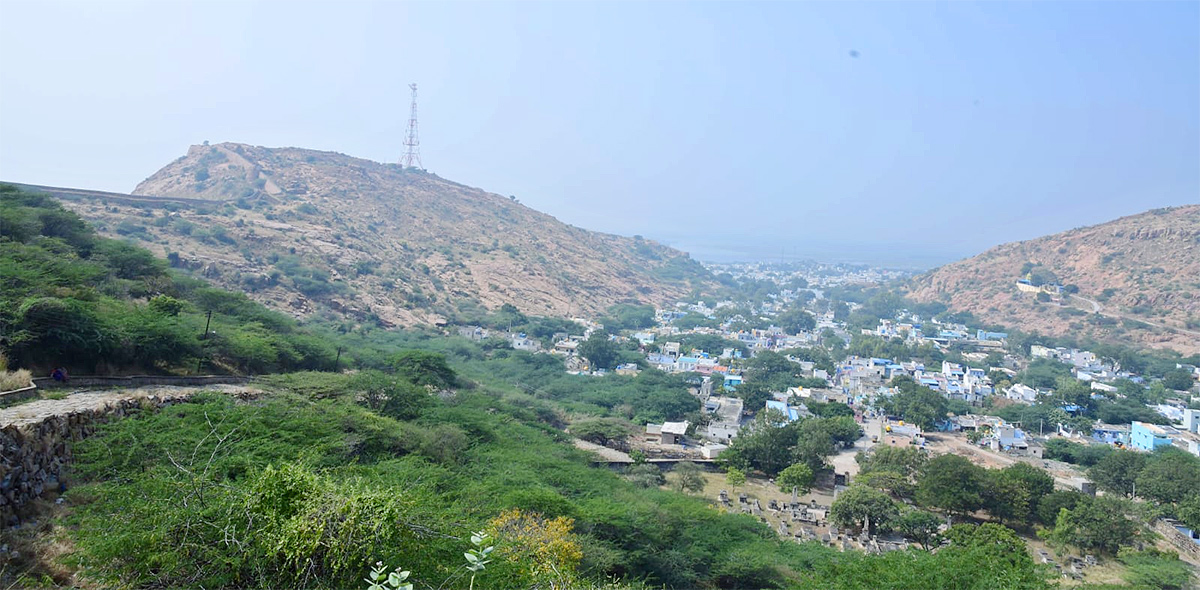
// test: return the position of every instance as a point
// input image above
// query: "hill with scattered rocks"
(309, 231)
(1135, 279)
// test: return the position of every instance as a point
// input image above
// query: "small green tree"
(814, 443)
(920, 526)
(388, 394)
(799, 478)
(735, 477)
(166, 305)
(425, 368)
(688, 478)
(1013, 493)
(906, 461)
(861, 507)
(645, 475)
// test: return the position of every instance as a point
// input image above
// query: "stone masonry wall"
(36, 438)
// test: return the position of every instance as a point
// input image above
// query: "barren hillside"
(308, 231)
(1141, 273)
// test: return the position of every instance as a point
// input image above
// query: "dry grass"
(42, 545)
(19, 379)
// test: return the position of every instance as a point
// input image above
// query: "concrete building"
(672, 432)
(1191, 421)
(1147, 437)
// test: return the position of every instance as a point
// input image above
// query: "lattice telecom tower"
(412, 157)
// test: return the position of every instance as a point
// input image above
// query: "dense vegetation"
(309, 486)
(71, 298)
(306, 489)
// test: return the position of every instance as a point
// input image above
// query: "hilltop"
(308, 231)
(1135, 279)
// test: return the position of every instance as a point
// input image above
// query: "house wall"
(1142, 438)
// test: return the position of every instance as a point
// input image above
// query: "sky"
(901, 133)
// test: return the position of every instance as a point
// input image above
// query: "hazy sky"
(863, 131)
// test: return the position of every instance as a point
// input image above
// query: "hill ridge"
(1143, 270)
(312, 231)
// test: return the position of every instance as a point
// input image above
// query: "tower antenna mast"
(412, 156)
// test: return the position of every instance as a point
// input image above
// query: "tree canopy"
(915, 403)
(599, 350)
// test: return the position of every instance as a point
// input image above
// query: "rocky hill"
(1138, 279)
(309, 231)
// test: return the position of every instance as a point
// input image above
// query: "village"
(987, 373)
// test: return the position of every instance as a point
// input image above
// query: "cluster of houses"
(856, 380)
(915, 332)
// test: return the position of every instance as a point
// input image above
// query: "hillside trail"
(94, 399)
(1098, 308)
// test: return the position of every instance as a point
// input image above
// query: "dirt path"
(1098, 308)
(93, 399)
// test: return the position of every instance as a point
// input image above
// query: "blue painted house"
(1147, 437)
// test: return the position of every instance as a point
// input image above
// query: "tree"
(773, 370)
(688, 477)
(626, 316)
(1062, 449)
(1118, 472)
(599, 350)
(890, 482)
(906, 461)
(765, 444)
(1170, 476)
(166, 305)
(1000, 543)
(795, 321)
(424, 368)
(1160, 570)
(919, 526)
(1055, 502)
(602, 431)
(829, 409)
(915, 403)
(1096, 524)
(755, 395)
(645, 475)
(388, 394)
(843, 429)
(1189, 511)
(861, 507)
(952, 483)
(735, 477)
(1013, 493)
(1178, 379)
(798, 477)
(814, 443)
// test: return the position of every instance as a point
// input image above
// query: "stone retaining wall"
(1181, 541)
(7, 397)
(35, 443)
(139, 381)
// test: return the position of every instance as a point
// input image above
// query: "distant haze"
(900, 133)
